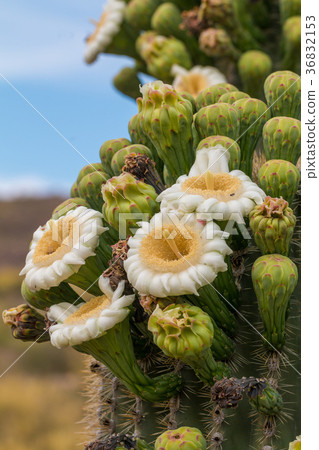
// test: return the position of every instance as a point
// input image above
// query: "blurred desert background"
(41, 398)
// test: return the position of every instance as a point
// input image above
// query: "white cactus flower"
(211, 190)
(106, 28)
(196, 79)
(89, 320)
(172, 255)
(60, 247)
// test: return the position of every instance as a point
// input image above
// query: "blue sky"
(41, 54)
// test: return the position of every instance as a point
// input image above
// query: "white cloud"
(31, 186)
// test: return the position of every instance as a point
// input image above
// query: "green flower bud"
(254, 67)
(118, 159)
(108, 149)
(125, 195)
(215, 42)
(292, 44)
(90, 189)
(282, 139)
(166, 118)
(231, 145)
(220, 119)
(186, 332)
(253, 115)
(167, 21)
(283, 94)
(211, 95)
(274, 279)
(128, 82)
(279, 178)
(90, 168)
(181, 438)
(289, 8)
(224, 13)
(232, 97)
(138, 13)
(74, 190)
(269, 403)
(45, 298)
(160, 53)
(68, 205)
(26, 324)
(273, 224)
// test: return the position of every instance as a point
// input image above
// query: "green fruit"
(185, 332)
(252, 114)
(231, 97)
(279, 178)
(182, 438)
(128, 82)
(273, 224)
(282, 139)
(108, 149)
(274, 279)
(231, 145)
(118, 159)
(128, 201)
(283, 94)
(212, 95)
(254, 66)
(138, 13)
(220, 119)
(269, 402)
(160, 53)
(68, 205)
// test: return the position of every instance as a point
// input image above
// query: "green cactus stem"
(186, 333)
(128, 82)
(253, 114)
(127, 201)
(115, 350)
(108, 150)
(274, 279)
(43, 299)
(283, 94)
(273, 224)
(143, 168)
(212, 95)
(68, 205)
(26, 324)
(118, 159)
(166, 118)
(254, 67)
(292, 44)
(289, 8)
(279, 178)
(183, 437)
(221, 119)
(282, 139)
(229, 144)
(232, 97)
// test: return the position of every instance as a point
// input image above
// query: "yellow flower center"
(171, 248)
(92, 308)
(98, 25)
(222, 186)
(193, 83)
(55, 242)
